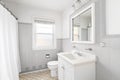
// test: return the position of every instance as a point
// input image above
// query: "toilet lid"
(53, 63)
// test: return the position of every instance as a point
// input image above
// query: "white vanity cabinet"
(65, 70)
(68, 71)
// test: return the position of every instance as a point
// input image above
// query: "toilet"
(53, 66)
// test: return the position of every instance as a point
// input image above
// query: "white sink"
(77, 57)
(70, 56)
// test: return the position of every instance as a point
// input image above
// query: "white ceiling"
(58, 5)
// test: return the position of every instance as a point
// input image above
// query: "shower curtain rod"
(2, 3)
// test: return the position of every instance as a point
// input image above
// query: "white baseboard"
(35, 71)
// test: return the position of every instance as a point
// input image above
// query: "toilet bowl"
(53, 66)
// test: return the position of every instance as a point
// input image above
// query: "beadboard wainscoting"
(32, 60)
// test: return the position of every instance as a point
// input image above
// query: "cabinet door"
(60, 69)
(65, 70)
(68, 71)
(113, 17)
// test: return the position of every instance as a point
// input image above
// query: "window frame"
(34, 47)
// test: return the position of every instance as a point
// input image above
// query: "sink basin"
(73, 56)
(77, 57)
(70, 56)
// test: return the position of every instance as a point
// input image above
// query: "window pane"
(44, 28)
(43, 40)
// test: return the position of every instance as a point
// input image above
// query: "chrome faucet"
(90, 49)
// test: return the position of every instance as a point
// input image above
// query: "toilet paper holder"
(47, 55)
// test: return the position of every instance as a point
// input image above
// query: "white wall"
(65, 23)
(26, 14)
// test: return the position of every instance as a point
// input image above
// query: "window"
(44, 34)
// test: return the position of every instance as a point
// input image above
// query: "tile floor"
(44, 75)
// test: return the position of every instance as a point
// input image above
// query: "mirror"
(83, 25)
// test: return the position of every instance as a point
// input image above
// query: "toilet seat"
(53, 63)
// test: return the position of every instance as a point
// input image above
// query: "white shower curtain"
(8, 46)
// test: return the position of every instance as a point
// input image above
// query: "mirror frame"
(75, 14)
